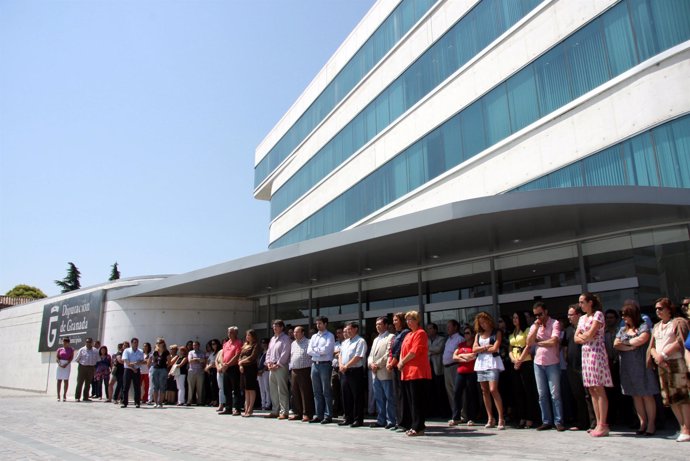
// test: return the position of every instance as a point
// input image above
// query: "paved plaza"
(36, 426)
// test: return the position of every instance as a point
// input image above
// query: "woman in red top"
(465, 380)
(415, 372)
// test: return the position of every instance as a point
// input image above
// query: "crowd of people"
(543, 373)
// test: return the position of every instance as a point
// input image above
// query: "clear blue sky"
(128, 128)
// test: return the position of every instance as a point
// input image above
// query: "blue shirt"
(132, 356)
(321, 346)
(353, 347)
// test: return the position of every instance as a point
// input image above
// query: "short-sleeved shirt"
(353, 347)
(518, 343)
(196, 367)
(465, 367)
(65, 353)
(132, 355)
(231, 348)
(574, 349)
(547, 355)
(419, 367)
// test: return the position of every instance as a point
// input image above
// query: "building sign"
(78, 317)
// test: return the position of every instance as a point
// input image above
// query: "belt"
(451, 365)
(318, 362)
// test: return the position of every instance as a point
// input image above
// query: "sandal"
(413, 433)
(501, 424)
(490, 424)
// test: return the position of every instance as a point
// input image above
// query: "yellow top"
(518, 342)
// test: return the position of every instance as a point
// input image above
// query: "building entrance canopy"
(461, 230)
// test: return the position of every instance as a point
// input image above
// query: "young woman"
(596, 374)
(248, 369)
(118, 372)
(666, 350)
(102, 374)
(144, 371)
(64, 358)
(465, 380)
(489, 365)
(637, 380)
(158, 361)
(178, 370)
(211, 371)
(524, 384)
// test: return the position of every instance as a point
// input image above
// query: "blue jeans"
(385, 401)
(321, 384)
(548, 379)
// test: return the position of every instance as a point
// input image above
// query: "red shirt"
(465, 367)
(230, 349)
(419, 367)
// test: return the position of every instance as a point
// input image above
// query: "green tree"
(114, 272)
(71, 281)
(26, 291)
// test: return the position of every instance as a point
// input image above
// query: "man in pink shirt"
(231, 373)
(545, 336)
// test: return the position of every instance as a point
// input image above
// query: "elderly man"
(352, 378)
(86, 357)
(133, 358)
(300, 373)
(321, 348)
(545, 335)
(277, 361)
(231, 373)
(383, 378)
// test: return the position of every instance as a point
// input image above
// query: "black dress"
(248, 380)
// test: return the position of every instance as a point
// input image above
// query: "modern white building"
(456, 156)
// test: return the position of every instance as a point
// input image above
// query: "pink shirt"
(547, 355)
(231, 348)
(65, 354)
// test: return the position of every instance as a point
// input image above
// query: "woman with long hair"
(212, 371)
(248, 369)
(489, 365)
(666, 350)
(178, 370)
(637, 380)
(102, 374)
(596, 374)
(158, 361)
(524, 384)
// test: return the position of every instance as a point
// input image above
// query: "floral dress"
(595, 362)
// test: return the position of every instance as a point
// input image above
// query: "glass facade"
(659, 157)
(471, 34)
(398, 23)
(620, 38)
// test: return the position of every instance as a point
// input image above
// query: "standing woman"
(415, 373)
(401, 330)
(465, 380)
(64, 358)
(219, 376)
(666, 349)
(596, 374)
(212, 371)
(637, 380)
(524, 384)
(144, 373)
(158, 363)
(489, 365)
(262, 377)
(102, 374)
(248, 363)
(119, 368)
(179, 372)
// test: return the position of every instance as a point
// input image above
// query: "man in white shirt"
(86, 357)
(132, 357)
(321, 348)
(352, 376)
(383, 378)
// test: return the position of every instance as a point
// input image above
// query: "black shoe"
(345, 423)
(560, 427)
(227, 411)
(375, 425)
(123, 406)
(357, 424)
(545, 427)
(136, 406)
(315, 420)
(327, 421)
(389, 426)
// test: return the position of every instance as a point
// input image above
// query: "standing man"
(321, 348)
(449, 366)
(277, 361)
(231, 373)
(573, 355)
(300, 373)
(195, 376)
(133, 358)
(436, 344)
(335, 376)
(352, 376)
(545, 335)
(383, 378)
(86, 357)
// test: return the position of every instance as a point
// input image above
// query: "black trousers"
(353, 385)
(466, 386)
(135, 377)
(402, 412)
(583, 402)
(231, 387)
(525, 393)
(415, 398)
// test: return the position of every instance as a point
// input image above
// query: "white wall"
(177, 319)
